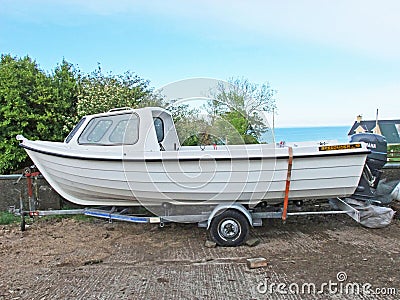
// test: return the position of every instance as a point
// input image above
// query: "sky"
(329, 61)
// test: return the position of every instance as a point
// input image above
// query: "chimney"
(359, 118)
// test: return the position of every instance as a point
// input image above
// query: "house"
(390, 129)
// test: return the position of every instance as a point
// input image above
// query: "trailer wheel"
(229, 228)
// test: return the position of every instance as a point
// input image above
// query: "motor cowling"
(377, 144)
(367, 189)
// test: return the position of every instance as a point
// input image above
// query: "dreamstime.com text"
(340, 287)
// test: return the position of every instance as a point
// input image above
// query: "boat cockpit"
(146, 129)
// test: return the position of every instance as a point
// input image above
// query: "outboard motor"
(372, 172)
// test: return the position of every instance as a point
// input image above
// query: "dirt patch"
(69, 259)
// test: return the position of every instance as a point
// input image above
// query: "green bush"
(34, 104)
(101, 92)
(47, 106)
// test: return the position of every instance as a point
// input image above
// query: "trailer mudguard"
(225, 206)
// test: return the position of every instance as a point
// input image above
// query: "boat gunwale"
(207, 158)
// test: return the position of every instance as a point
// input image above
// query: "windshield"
(111, 130)
(74, 130)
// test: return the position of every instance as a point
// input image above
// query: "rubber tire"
(235, 216)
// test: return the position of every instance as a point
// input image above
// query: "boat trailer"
(228, 223)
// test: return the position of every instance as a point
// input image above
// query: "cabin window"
(99, 131)
(125, 132)
(111, 130)
(159, 126)
(74, 131)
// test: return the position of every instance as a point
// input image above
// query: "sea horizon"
(312, 133)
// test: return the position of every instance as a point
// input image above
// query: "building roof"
(389, 128)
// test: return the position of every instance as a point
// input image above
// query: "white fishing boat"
(129, 157)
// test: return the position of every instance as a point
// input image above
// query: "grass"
(8, 218)
(394, 159)
(79, 217)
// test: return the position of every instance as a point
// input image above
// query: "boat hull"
(202, 177)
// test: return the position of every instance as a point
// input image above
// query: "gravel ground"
(93, 259)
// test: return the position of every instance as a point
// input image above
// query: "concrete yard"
(92, 259)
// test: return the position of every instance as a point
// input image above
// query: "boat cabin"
(144, 129)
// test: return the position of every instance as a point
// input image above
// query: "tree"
(23, 91)
(188, 123)
(241, 104)
(47, 106)
(33, 103)
(100, 93)
(66, 88)
(233, 115)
